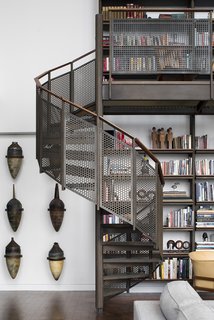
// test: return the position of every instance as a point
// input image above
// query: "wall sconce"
(13, 258)
(14, 159)
(56, 260)
(56, 208)
(14, 211)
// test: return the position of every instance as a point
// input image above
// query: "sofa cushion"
(175, 294)
(195, 310)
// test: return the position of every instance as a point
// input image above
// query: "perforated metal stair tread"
(140, 244)
(81, 186)
(138, 260)
(126, 276)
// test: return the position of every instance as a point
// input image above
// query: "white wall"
(36, 36)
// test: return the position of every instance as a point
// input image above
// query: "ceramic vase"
(13, 258)
(14, 159)
(56, 260)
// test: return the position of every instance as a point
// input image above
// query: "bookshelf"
(138, 48)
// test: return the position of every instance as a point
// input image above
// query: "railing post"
(39, 132)
(133, 184)
(63, 147)
(72, 83)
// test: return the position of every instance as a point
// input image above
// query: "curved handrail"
(39, 85)
(138, 142)
(59, 67)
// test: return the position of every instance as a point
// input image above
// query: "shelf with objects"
(144, 57)
(155, 67)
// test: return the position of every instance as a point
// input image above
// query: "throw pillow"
(174, 294)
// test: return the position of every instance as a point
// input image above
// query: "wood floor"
(68, 305)
(28, 305)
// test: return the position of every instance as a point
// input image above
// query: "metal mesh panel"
(84, 84)
(116, 176)
(61, 87)
(129, 186)
(160, 46)
(146, 197)
(51, 139)
(80, 157)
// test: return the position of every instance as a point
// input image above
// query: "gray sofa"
(178, 301)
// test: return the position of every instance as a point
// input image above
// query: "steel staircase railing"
(106, 165)
(67, 142)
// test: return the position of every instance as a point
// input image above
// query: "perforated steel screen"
(129, 186)
(80, 141)
(50, 138)
(160, 46)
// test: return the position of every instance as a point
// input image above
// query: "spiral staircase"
(94, 158)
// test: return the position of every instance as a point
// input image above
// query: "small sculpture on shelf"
(205, 236)
(162, 138)
(14, 159)
(57, 209)
(14, 211)
(13, 258)
(154, 136)
(169, 138)
(56, 260)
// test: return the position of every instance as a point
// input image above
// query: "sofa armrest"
(144, 310)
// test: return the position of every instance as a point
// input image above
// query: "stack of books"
(205, 218)
(174, 194)
(204, 245)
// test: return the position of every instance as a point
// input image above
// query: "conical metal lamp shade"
(13, 258)
(14, 211)
(56, 208)
(56, 260)
(14, 159)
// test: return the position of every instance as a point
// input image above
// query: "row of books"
(174, 268)
(201, 38)
(204, 245)
(182, 142)
(181, 218)
(204, 167)
(112, 219)
(132, 14)
(204, 191)
(151, 39)
(201, 142)
(177, 167)
(162, 60)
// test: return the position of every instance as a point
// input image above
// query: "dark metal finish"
(14, 159)
(56, 253)
(14, 211)
(56, 260)
(57, 209)
(13, 256)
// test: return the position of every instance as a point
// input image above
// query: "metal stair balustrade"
(94, 158)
